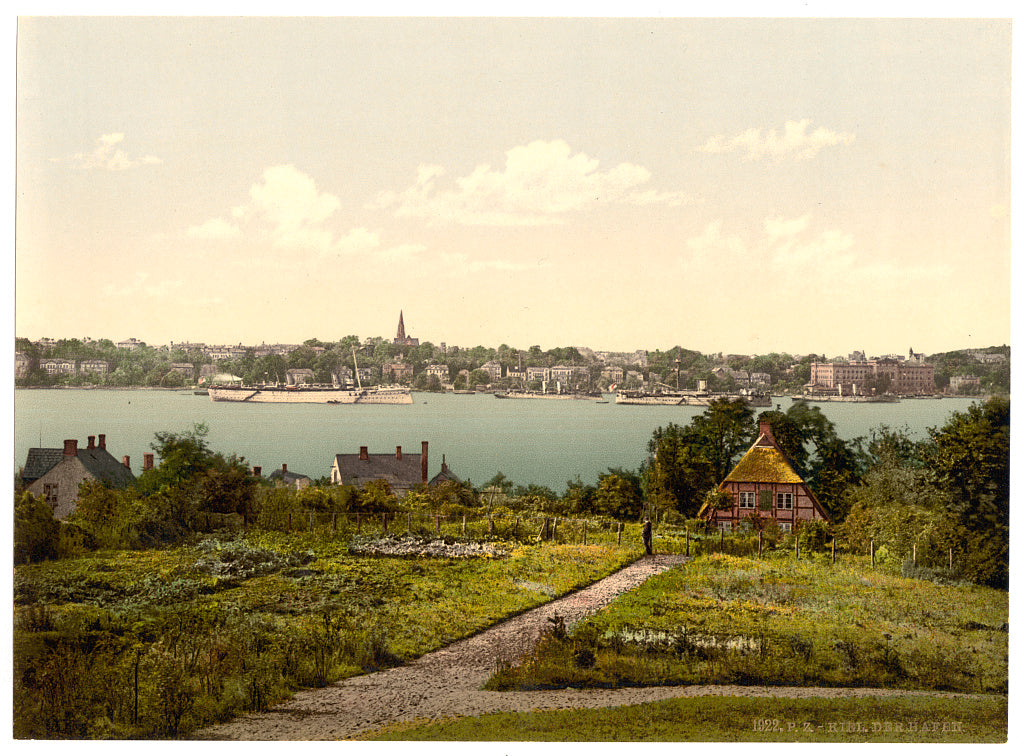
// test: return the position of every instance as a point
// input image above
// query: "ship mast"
(355, 364)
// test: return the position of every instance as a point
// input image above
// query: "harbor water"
(545, 442)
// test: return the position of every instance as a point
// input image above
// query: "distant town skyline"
(726, 185)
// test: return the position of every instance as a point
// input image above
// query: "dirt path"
(447, 682)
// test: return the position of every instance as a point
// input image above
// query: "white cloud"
(289, 200)
(215, 228)
(107, 156)
(824, 260)
(713, 244)
(794, 142)
(776, 227)
(288, 209)
(540, 184)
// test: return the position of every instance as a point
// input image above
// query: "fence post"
(618, 533)
(872, 552)
(463, 524)
(687, 540)
(796, 537)
(490, 525)
(721, 540)
(760, 539)
(289, 523)
(584, 532)
(437, 524)
(383, 523)
(554, 530)
(950, 558)
(311, 521)
(833, 550)
(515, 530)
(359, 523)
(915, 555)
(408, 519)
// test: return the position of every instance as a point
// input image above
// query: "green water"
(530, 441)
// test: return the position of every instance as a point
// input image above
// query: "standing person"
(648, 536)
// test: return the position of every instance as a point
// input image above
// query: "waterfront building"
(57, 367)
(297, 376)
(493, 369)
(99, 367)
(906, 378)
(962, 383)
(437, 370)
(398, 371)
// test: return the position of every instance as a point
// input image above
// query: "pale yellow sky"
(724, 185)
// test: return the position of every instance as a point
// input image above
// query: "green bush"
(36, 532)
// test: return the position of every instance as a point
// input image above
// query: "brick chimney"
(284, 468)
(92, 442)
(147, 462)
(398, 453)
(363, 455)
(127, 461)
(423, 462)
(257, 472)
(766, 431)
(103, 441)
(70, 447)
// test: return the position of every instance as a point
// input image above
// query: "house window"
(787, 527)
(784, 501)
(725, 527)
(50, 491)
(747, 499)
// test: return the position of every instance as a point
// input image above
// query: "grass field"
(906, 719)
(158, 643)
(778, 621)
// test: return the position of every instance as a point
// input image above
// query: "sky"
(726, 185)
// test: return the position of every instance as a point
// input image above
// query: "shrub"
(36, 532)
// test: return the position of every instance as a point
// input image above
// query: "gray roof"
(39, 462)
(444, 476)
(287, 476)
(99, 463)
(399, 473)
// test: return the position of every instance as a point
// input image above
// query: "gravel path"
(446, 682)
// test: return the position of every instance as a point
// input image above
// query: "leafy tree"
(376, 496)
(970, 457)
(618, 495)
(722, 432)
(108, 515)
(578, 498)
(35, 529)
(226, 487)
(677, 473)
(500, 481)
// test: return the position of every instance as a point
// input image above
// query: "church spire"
(401, 328)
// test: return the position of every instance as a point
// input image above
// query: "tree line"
(151, 366)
